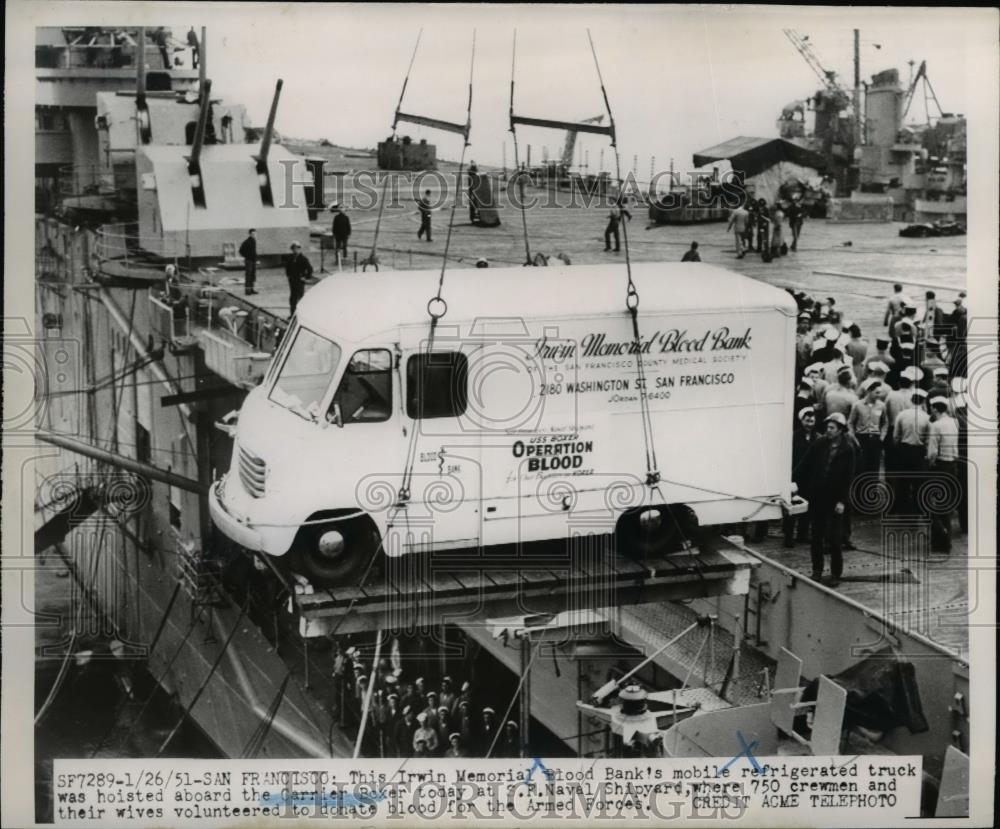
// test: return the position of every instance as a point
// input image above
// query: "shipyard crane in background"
(570, 145)
(928, 88)
(833, 95)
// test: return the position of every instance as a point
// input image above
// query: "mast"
(857, 88)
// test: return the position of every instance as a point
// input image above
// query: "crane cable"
(436, 306)
(517, 163)
(632, 304)
(373, 256)
(205, 681)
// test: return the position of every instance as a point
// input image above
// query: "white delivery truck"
(521, 420)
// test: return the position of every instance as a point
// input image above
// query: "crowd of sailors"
(878, 426)
(418, 717)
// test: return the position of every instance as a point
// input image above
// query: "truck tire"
(317, 554)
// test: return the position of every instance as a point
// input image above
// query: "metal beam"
(597, 129)
(200, 394)
(435, 123)
(144, 470)
(493, 592)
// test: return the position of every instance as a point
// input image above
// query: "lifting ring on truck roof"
(437, 308)
(632, 298)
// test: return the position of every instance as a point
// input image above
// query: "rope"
(631, 300)
(156, 687)
(368, 695)
(152, 645)
(372, 258)
(513, 699)
(436, 306)
(517, 161)
(256, 741)
(204, 684)
(60, 679)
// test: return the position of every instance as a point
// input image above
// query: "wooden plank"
(628, 568)
(440, 583)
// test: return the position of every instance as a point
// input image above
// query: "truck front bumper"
(242, 532)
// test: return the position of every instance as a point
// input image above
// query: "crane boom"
(570, 145)
(826, 77)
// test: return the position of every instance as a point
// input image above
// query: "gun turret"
(263, 176)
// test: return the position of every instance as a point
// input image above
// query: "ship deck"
(854, 262)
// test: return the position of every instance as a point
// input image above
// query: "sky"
(679, 79)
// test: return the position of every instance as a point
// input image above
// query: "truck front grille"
(253, 473)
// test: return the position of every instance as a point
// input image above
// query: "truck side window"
(437, 384)
(365, 391)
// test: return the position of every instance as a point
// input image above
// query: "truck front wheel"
(335, 553)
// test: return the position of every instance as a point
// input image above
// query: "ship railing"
(237, 337)
(119, 242)
(199, 574)
(92, 180)
(112, 49)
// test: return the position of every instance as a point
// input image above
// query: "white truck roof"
(359, 305)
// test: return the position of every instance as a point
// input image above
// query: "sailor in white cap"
(910, 434)
(869, 423)
(942, 461)
(487, 730)
(804, 395)
(803, 437)
(341, 229)
(425, 734)
(814, 372)
(831, 463)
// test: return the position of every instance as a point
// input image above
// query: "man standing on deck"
(424, 206)
(341, 230)
(248, 250)
(910, 434)
(831, 466)
(691, 255)
(942, 457)
(298, 269)
(192, 40)
(895, 307)
(795, 214)
(738, 221)
(618, 212)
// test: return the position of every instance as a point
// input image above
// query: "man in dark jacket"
(298, 269)
(424, 208)
(341, 230)
(405, 729)
(248, 250)
(831, 462)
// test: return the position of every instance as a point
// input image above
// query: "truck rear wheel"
(337, 553)
(656, 531)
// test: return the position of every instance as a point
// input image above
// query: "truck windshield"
(305, 374)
